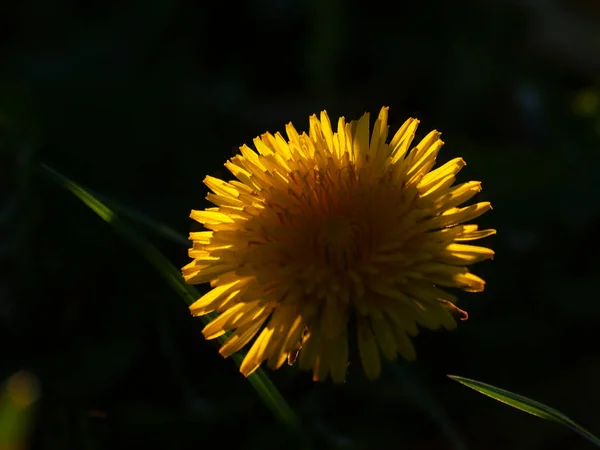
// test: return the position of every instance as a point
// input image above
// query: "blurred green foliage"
(140, 100)
(17, 403)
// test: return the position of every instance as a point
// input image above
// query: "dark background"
(139, 100)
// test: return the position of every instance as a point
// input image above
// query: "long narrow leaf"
(259, 380)
(525, 404)
(152, 225)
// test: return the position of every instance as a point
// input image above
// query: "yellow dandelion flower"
(327, 229)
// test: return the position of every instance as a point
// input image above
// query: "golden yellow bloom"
(331, 228)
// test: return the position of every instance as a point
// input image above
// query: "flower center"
(339, 241)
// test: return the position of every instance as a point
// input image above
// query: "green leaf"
(525, 404)
(157, 227)
(259, 380)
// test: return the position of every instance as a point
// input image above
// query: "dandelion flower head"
(335, 240)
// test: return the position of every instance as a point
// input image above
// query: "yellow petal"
(311, 342)
(455, 216)
(283, 150)
(314, 127)
(281, 322)
(210, 217)
(321, 366)
(229, 301)
(402, 322)
(220, 325)
(250, 159)
(401, 141)
(432, 190)
(368, 351)
(386, 289)
(221, 187)
(339, 358)
(205, 274)
(385, 338)
(360, 144)
(405, 347)
(427, 293)
(458, 195)
(474, 235)
(424, 155)
(452, 167)
(262, 145)
(327, 130)
(222, 200)
(211, 299)
(241, 337)
(290, 342)
(454, 276)
(255, 355)
(235, 166)
(378, 137)
(422, 314)
(461, 254)
(203, 237)
(243, 189)
(334, 317)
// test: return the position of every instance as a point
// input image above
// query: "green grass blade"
(17, 400)
(525, 404)
(259, 379)
(153, 225)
